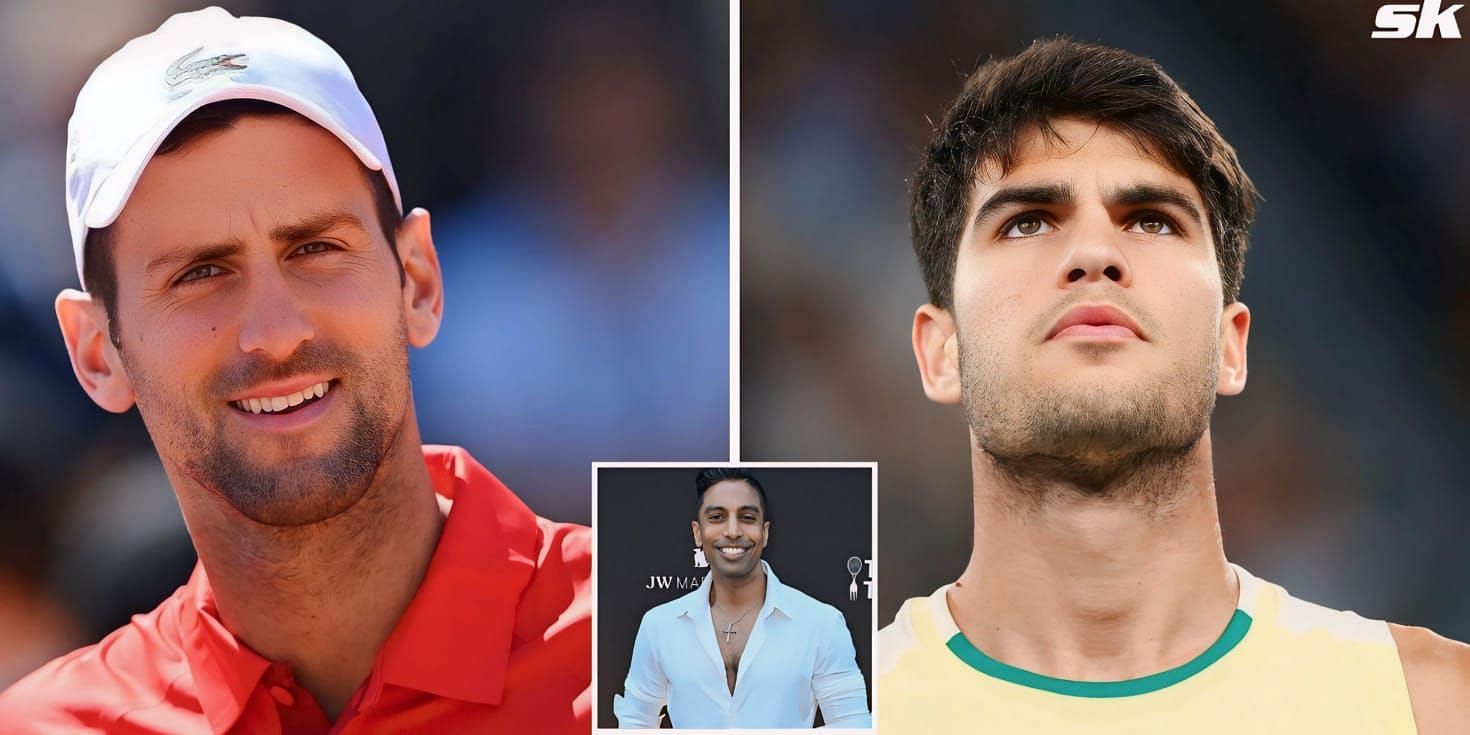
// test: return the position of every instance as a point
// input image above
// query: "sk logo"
(180, 73)
(1426, 21)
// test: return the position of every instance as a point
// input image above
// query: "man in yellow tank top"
(1081, 227)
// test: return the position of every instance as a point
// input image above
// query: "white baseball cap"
(136, 97)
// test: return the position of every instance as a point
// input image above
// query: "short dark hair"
(1055, 78)
(712, 476)
(99, 275)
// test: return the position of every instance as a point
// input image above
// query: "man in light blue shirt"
(742, 650)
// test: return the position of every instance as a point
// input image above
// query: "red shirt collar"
(455, 638)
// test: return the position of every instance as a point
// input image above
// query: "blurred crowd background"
(574, 156)
(1341, 470)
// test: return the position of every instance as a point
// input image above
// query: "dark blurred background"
(1340, 471)
(575, 158)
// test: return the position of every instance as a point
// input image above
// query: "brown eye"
(313, 247)
(198, 273)
(1027, 225)
(1153, 224)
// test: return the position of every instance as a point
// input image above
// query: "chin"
(747, 571)
(295, 499)
(1112, 390)
(307, 488)
(730, 570)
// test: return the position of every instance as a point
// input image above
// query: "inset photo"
(734, 596)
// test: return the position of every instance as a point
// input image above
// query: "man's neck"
(325, 597)
(735, 595)
(1097, 588)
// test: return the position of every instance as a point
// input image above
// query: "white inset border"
(872, 601)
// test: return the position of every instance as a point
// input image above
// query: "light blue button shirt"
(799, 657)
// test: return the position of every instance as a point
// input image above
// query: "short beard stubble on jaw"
(1117, 442)
(304, 491)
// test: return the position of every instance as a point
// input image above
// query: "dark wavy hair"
(1005, 98)
(712, 476)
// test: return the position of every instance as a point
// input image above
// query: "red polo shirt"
(498, 639)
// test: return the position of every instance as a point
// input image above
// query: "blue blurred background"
(575, 158)
(1342, 469)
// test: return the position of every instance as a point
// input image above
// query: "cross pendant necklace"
(730, 627)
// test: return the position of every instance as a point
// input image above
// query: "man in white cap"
(253, 288)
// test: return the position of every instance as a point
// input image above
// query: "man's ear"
(423, 283)
(1235, 330)
(698, 540)
(765, 534)
(94, 358)
(937, 352)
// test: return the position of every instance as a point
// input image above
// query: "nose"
(732, 529)
(1095, 257)
(273, 321)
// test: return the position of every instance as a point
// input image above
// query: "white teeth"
(280, 403)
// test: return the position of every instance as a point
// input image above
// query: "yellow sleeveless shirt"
(1282, 665)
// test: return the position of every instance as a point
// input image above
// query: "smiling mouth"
(288, 403)
(733, 552)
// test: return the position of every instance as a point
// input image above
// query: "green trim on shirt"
(1240, 623)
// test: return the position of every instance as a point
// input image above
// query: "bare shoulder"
(1437, 671)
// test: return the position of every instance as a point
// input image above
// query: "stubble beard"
(300, 491)
(1125, 441)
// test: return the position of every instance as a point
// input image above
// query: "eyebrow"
(1051, 194)
(1063, 194)
(312, 226)
(1138, 194)
(315, 225)
(189, 254)
(721, 508)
